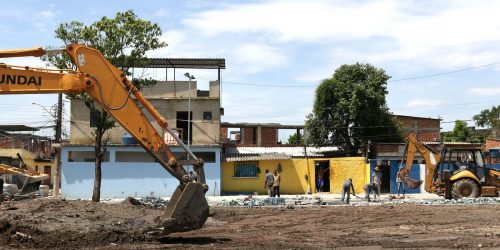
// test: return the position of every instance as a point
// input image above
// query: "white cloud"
(24, 61)
(44, 20)
(485, 91)
(447, 34)
(259, 57)
(161, 13)
(424, 104)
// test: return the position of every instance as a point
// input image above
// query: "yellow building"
(243, 170)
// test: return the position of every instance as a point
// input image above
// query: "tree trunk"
(96, 196)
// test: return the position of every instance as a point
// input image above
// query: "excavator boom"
(431, 158)
(110, 88)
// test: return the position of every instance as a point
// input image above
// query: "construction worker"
(368, 190)
(276, 184)
(1, 189)
(399, 180)
(346, 189)
(269, 183)
(377, 181)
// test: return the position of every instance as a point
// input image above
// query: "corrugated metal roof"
(188, 63)
(273, 153)
(15, 127)
(258, 157)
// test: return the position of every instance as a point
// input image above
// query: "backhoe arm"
(431, 160)
(109, 87)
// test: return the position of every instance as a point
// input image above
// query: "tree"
(461, 133)
(124, 41)
(350, 109)
(296, 139)
(489, 118)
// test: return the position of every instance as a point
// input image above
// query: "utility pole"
(57, 174)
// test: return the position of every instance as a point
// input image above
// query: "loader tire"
(464, 188)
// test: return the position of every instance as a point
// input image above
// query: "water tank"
(128, 139)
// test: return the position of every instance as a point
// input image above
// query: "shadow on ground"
(192, 240)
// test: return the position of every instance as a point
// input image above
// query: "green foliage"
(350, 109)
(461, 133)
(488, 117)
(296, 139)
(123, 40)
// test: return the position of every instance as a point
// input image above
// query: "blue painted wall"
(394, 167)
(414, 173)
(123, 179)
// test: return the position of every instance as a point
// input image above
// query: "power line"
(395, 80)
(271, 85)
(447, 105)
(445, 73)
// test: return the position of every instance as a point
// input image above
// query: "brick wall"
(248, 135)
(427, 129)
(223, 133)
(269, 137)
(492, 143)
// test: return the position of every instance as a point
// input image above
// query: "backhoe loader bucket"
(187, 209)
(412, 183)
(27, 184)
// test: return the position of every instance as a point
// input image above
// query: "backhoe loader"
(110, 88)
(456, 172)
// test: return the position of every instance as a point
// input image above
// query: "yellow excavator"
(109, 87)
(456, 172)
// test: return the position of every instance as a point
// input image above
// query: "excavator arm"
(431, 158)
(110, 88)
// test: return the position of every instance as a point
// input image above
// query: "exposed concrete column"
(259, 136)
(242, 135)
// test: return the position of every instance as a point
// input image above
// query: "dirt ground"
(53, 223)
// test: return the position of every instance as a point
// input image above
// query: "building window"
(246, 169)
(207, 157)
(94, 117)
(207, 115)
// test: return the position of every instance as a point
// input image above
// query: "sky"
(443, 56)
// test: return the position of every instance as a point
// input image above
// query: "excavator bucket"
(27, 184)
(26, 181)
(187, 209)
(412, 183)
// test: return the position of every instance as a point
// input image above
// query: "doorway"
(47, 170)
(182, 123)
(322, 173)
(385, 170)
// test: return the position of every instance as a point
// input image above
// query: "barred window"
(246, 169)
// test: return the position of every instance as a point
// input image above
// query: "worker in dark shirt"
(1, 184)
(1, 189)
(346, 189)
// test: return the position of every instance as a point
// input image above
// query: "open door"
(322, 173)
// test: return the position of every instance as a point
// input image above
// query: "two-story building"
(128, 170)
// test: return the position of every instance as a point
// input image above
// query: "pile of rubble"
(250, 201)
(11, 192)
(464, 201)
(148, 201)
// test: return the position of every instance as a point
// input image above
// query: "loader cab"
(456, 160)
